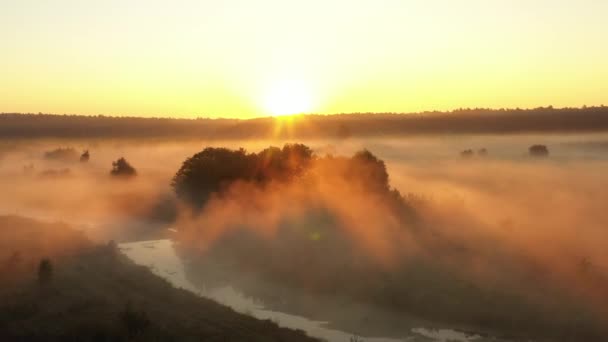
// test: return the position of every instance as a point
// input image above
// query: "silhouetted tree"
(67, 154)
(297, 159)
(467, 153)
(212, 169)
(538, 151)
(121, 167)
(135, 322)
(369, 170)
(209, 170)
(85, 156)
(482, 152)
(45, 271)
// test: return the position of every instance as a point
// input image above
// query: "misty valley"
(464, 237)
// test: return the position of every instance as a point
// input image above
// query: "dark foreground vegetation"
(462, 121)
(57, 286)
(333, 227)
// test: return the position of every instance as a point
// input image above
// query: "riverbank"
(95, 293)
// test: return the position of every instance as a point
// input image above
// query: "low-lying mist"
(503, 242)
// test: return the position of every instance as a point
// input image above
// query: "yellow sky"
(246, 58)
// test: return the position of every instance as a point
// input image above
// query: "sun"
(288, 98)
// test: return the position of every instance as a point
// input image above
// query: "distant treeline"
(461, 121)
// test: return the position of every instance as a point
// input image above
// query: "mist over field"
(496, 242)
(294, 171)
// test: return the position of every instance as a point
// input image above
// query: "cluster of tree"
(538, 151)
(315, 254)
(85, 156)
(461, 121)
(67, 154)
(122, 168)
(213, 169)
(469, 153)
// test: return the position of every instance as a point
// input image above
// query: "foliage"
(213, 169)
(121, 167)
(467, 153)
(85, 156)
(135, 322)
(460, 121)
(538, 151)
(207, 171)
(67, 154)
(45, 271)
(90, 288)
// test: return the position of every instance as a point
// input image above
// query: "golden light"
(287, 98)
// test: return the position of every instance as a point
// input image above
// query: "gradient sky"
(224, 58)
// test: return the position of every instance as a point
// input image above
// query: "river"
(162, 259)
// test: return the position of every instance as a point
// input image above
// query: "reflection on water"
(160, 257)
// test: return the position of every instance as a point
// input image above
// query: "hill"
(94, 293)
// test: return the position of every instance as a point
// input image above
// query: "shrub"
(135, 322)
(121, 167)
(62, 154)
(84, 157)
(45, 271)
(538, 151)
(467, 153)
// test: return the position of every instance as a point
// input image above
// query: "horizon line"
(455, 110)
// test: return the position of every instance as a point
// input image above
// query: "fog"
(505, 222)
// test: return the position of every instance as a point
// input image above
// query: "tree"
(538, 151)
(45, 271)
(85, 156)
(213, 169)
(367, 168)
(467, 153)
(67, 154)
(121, 167)
(297, 157)
(135, 322)
(208, 171)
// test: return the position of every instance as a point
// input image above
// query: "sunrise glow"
(249, 59)
(287, 98)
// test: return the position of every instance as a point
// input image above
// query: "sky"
(250, 58)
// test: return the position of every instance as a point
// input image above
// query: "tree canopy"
(214, 168)
(538, 151)
(121, 167)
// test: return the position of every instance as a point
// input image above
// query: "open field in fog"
(497, 242)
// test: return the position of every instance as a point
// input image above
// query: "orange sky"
(243, 58)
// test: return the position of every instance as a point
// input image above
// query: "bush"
(85, 156)
(45, 271)
(135, 322)
(538, 151)
(67, 154)
(467, 153)
(121, 167)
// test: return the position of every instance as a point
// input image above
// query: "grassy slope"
(91, 288)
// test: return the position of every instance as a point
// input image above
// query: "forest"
(461, 121)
